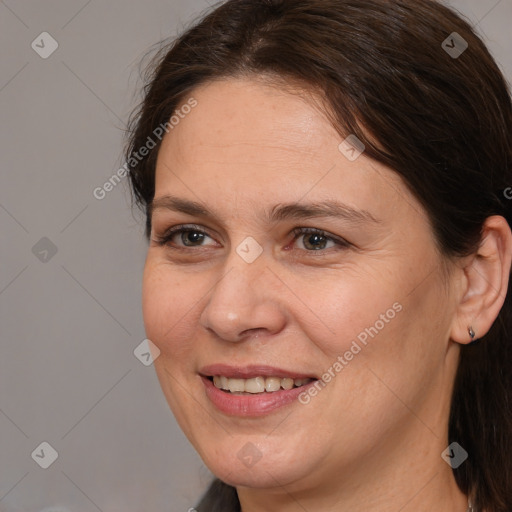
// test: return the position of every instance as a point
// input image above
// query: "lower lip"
(256, 404)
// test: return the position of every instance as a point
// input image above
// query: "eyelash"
(297, 232)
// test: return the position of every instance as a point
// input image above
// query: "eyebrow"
(280, 212)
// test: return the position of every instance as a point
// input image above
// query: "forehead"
(252, 141)
(244, 116)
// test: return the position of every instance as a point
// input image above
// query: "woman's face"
(251, 297)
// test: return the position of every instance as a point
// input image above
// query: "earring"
(472, 333)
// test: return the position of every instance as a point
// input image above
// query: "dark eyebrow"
(280, 212)
(179, 205)
(301, 211)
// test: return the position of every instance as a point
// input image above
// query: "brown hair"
(442, 122)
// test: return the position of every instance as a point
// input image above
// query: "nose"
(244, 303)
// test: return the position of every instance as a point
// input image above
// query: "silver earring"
(471, 333)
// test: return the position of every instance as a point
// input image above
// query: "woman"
(329, 255)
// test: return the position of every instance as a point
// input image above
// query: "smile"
(257, 385)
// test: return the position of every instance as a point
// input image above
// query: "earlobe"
(487, 276)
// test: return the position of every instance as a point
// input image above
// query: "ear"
(486, 282)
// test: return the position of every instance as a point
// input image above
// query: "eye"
(312, 239)
(317, 240)
(189, 236)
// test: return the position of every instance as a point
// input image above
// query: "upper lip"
(251, 371)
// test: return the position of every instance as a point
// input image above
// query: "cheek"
(169, 302)
(369, 330)
(387, 348)
(343, 306)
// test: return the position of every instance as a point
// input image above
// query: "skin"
(372, 439)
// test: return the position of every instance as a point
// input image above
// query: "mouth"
(253, 390)
(257, 385)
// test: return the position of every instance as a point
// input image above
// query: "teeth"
(235, 385)
(272, 384)
(257, 384)
(288, 383)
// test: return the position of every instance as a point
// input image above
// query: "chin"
(258, 476)
(266, 467)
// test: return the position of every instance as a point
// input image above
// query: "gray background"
(70, 321)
